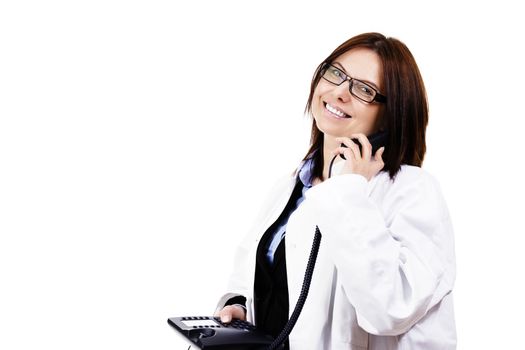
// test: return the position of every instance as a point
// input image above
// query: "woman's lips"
(336, 112)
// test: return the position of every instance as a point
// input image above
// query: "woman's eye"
(365, 89)
(337, 72)
(334, 72)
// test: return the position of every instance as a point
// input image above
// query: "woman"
(385, 268)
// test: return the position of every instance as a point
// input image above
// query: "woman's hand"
(230, 312)
(360, 162)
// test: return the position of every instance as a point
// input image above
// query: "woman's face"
(336, 111)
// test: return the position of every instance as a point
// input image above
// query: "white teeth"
(335, 111)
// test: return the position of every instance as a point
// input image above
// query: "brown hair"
(405, 114)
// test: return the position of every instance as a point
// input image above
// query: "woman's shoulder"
(409, 175)
(410, 181)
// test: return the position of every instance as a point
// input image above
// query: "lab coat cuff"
(248, 305)
(339, 187)
(337, 198)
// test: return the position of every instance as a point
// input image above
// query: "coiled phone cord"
(304, 293)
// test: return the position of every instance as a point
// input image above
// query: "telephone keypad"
(239, 324)
(235, 323)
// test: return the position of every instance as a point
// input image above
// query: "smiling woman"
(386, 267)
(371, 64)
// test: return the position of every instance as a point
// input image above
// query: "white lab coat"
(385, 268)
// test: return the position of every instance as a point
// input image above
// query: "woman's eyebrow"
(363, 80)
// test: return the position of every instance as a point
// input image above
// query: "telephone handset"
(377, 141)
(208, 332)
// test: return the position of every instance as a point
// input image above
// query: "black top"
(271, 286)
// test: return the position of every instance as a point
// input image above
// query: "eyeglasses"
(357, 88)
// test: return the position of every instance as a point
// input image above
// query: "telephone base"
(207, 332)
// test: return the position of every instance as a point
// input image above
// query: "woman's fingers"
(379, 154)
(344, 152)
(352, 149)
(366, 147)
(360, 161)
(230, 312)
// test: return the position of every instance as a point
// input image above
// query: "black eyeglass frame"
(378, 96)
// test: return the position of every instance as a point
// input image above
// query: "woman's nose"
(342, 92)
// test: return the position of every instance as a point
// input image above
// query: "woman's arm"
(395, 259)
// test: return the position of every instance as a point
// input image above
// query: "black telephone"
(208, 332)
(377, 141)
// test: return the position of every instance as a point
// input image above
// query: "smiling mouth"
(336, 112)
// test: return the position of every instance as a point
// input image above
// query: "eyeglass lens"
(358, 88)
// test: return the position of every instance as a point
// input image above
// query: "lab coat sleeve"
(395, 258)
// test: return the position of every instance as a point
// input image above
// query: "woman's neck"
(329, 145)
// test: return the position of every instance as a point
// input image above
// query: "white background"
(138, 139)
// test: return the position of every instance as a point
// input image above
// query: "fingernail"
(226, 318)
